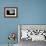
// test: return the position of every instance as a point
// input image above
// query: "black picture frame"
(12, 9)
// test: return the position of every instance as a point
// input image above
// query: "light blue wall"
(29, 12)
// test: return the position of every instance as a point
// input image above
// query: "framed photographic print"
(11, 12)
(31, 32)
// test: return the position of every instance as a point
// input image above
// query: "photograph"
(11, 12)
(32, 32)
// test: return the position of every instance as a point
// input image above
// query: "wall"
(29, 12)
